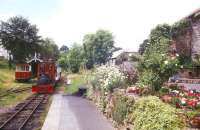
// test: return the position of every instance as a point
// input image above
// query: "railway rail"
(10, 91)
(19, 120)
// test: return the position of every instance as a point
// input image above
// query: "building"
(3, 53)
(188, 41)
(121, 56)
(127, 61)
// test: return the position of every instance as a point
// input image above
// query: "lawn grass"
(77, 81)
(7, 78)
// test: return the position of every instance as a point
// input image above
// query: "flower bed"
(119, 104)
(188, 101)
(183, 98)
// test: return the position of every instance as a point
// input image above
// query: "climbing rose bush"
(107, 78)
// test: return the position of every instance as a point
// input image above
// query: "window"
(27, 68)
(21, 68)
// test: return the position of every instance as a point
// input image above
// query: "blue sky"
(32, 9)
(29, 7)
(67, 21)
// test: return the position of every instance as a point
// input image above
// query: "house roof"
(193, 14)
(119, 52)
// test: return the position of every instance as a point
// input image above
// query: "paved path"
(74, 113)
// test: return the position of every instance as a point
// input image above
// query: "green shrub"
(122, 108)
(150, 80)
(156, 69)
(150, 113)
(119, 111)
(157, 64)
(163, 91)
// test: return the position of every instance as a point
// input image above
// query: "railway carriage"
(23, 72)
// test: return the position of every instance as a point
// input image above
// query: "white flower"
(166, 62)
(108, 76)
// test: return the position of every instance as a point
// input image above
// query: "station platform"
(74, 113)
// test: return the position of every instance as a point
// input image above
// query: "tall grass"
(7, 81)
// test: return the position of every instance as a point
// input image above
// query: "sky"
(67, 21)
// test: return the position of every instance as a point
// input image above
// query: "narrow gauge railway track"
(10, 91)
(22, 116)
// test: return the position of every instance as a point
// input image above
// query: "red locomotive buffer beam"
(48, 88)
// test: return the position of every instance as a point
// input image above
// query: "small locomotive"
(48, 74)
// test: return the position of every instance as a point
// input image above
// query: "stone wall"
(188, 42)
(196, 38)
(183, 43)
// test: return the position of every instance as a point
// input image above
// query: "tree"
(48, 49)
(143, 46)
(75, 57)
(63, 61)
(98, 47)
(64, 48)
(19, 37)
(88, 46)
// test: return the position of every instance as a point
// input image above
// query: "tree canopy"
(143, 46)
(19, 37)
(49, 49)
(98, 47)
(64, 48)
(73, 59)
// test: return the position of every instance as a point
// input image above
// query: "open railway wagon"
(48, 74)
(23, 72)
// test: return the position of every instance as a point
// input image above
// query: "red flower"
(192, 103)
(198, 94)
